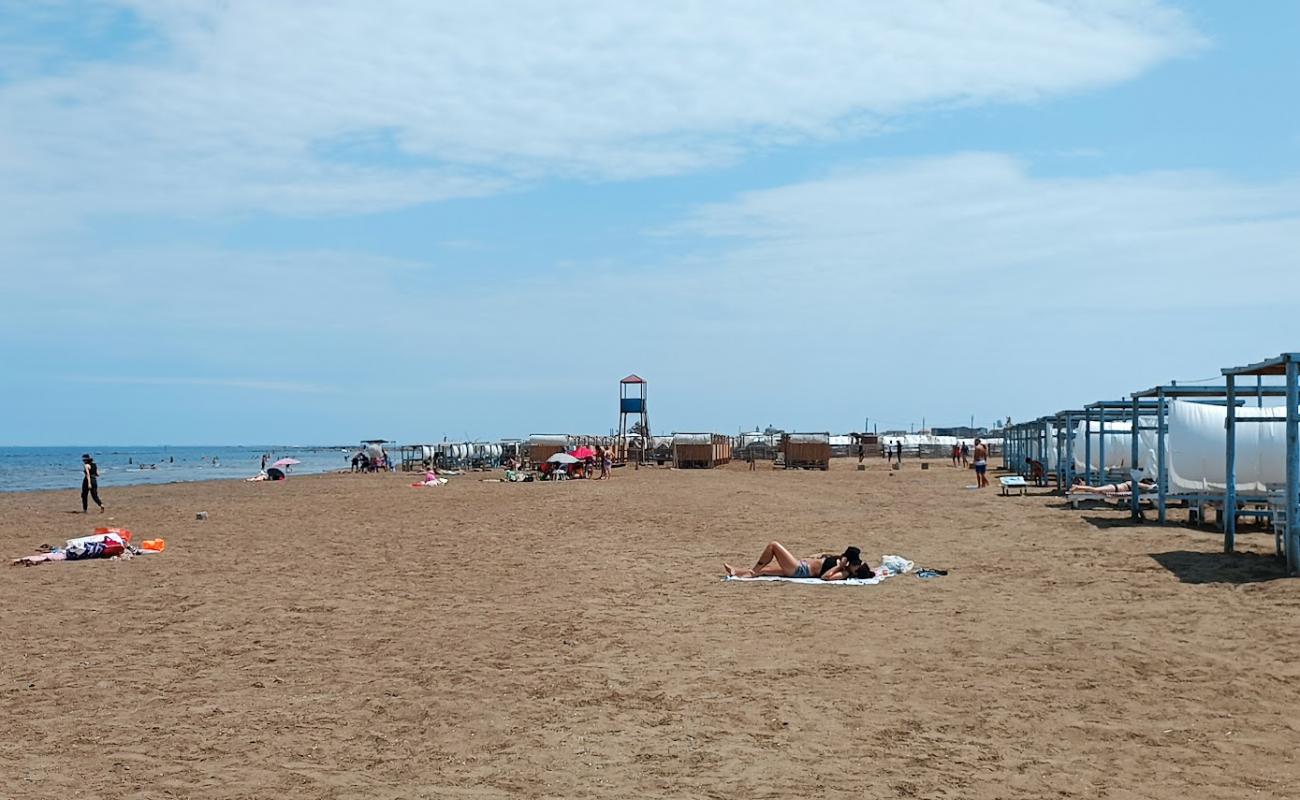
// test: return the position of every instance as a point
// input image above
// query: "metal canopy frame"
(1197, 393)
(1286, 365)
(1025, 440)
(1111, 411)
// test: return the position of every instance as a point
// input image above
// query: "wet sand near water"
(348, 636)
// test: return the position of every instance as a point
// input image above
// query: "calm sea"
(24, 468)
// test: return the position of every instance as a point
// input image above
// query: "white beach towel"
(889, 566)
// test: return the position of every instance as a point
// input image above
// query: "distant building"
(960, 431)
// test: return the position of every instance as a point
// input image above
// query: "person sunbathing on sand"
(1079, 487)
(776, 560)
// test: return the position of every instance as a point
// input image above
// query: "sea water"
(24, 468)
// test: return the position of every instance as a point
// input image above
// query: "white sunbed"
(1100, 497)
(1013, 482)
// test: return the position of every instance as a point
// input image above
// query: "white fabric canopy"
(1119, 445)
(1197, 440)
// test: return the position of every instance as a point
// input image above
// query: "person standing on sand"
(749, 457)
(965, 454)
(89, 483)
(981, 464)
(898, 451)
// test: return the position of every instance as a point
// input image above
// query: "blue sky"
(277, 222)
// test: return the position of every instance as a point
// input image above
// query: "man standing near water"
(981, 464)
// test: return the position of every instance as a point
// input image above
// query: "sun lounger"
(1013, 482)
(1111, 498)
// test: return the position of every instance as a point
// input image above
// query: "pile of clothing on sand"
(111, 543)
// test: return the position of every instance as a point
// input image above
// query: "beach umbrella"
(286, 462)
(563, 458)
(583, 452)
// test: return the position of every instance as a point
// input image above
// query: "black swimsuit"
(827, 565)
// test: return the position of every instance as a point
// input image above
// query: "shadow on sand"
(1193, 567)
(1106, 523)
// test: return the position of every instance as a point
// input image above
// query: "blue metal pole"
(1047, 442)
(1292, 468)
(1069, 448)
(1230, 470)
(1133, 463)
(1087, 446)
(1162, 468)
(1101, 446)
(1060, 458)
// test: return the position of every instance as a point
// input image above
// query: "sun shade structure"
(1286, 366)
(1178, 435)
(1189, 440)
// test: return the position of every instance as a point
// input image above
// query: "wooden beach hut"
(542, 446)
(807, 450)
(701, 450)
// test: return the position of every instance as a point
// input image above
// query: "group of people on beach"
(586, 467)
(363, 462)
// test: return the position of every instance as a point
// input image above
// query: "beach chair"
(1013, 482)
(1277, 504)
(1110, 498)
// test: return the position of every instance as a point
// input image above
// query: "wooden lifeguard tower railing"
(632, 403)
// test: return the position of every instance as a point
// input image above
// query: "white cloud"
(981, 228)
(897, 277)
(333, 107)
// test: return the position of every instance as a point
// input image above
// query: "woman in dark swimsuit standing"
(776, 560)
(90, 483)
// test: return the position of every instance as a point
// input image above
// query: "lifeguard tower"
(631, 403)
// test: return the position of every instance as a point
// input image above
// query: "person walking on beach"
(965, 454)
(898, 451)
(956, 454)
(981, 464)
(90, 483)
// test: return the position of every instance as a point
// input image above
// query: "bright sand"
(352, 637)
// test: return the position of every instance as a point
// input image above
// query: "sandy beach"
(347, 636)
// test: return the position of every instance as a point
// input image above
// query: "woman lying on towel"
(1080, 487)
(776, 560)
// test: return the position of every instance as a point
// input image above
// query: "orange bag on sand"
(154, 545)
